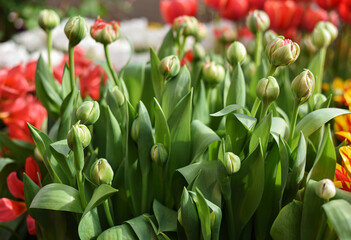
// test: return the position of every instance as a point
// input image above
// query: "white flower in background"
(56, 56)
(12, 54)
(33, 40)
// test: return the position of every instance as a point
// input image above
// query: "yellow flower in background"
(341, 91)
(342, 127)
(342, 177)
(345, 153)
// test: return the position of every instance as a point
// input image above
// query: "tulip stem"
(71, 65)
(230, 216)
(319, 78)
(264, 109)
(293, 121)
(255, 107)
(258, 49)
(80, 183)
(49, 43)
(110, 67)
(271, 71)
(108, 213)
(144, 191)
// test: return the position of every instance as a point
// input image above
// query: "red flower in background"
(216, 4)
(312, 16)
(256, 4)
(171, 9)
(10, 209)
(188, 58)
(235, 9)
(345, 11)
(328, 4)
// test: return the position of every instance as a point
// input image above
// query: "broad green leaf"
(175, 89)
(162, 134)
(89, 226)
(287, 224)
(166, 218)
(102, 193)
(227, 110)
(201, 137)
(342, 194)
(100, 130)
(237, 89)
(157, 79)
(30, 190)
(204, 214)
(114, 144)
(142, 228)
(4, 162)
(237, 132)
(66, 113)
(19, 150)
(324, 165)
(280, 128)
(282, 174)
(262, 131)
(201, 111)
(134, 75)
(168, 45)
(66, 84)
(339, 216)
(59, 197)
(121, 232)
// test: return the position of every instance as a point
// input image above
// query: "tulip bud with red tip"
(257, 21)
(187, 24)
(225, 34)
(282, 52)
(105, 32)
(169, 66)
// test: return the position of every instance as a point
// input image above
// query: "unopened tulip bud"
(83, 134)
(119, 96)
(302, 86)
(267, 90)
(105, 32)
(282, 52)
(201, 32)
(187, 23)
(48, 19)
(76, 30)
(331, 29)
(101, 172)
(225, 34)
(88, 112)
(257, 21)
(135, 130)
(169, 66)
(199, 51)
(231, 162)
(159, 154)
(236, 53)
(213, 73)
(326, 189)
(321, 37)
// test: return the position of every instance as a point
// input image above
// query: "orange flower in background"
(341, 179)
(345, 153)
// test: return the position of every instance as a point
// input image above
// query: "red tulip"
(345, 11)
(347, 3)
(235, 9)
(188, 58)
(10, 209)
(312, 16)
(170, 9)
(256, 4)
(328, 4)
(216, 4)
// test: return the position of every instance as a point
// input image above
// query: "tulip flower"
(169, 66)
(282, 51)
(326, 190)
(345, 11)
(342, 180)
(88, 112)
(235, 9)
(105, 32)
(312, 16)
(171, 9)
(215, 4)
(11, 209)
(328, 4)
(225, 34)
(256, 4)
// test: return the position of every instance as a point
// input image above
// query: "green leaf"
(19, 150)
(100, 194)
(201, 137)
(166, 218)
(121, 232)
(89, 226)
(168, 45)
(237, 89)
(201, 111)
(339, 216)
(66, 113)
(157, 79)
(134, 75)
(204, 214)
(114, 144)
(324, 165)
(162, 134)
(142, 228)
(287, 224)
(237, 131)
(342, 194)
(30, 190)
(227, 110)
(262, 131)
(66, 84)
(279, 128)
(59, 197)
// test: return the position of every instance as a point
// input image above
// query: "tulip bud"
(135, 130)
(257, 21)
(225, 34)
(213, 73)
(119, 96)
(201, 32)
(282, 52)
(76, 30)
(331, 29)
(83, 135)
(169, 66)
(105, 32)
(267, 90)
(231, 162)
(101, 172)
(302, 86)
(236, 53)
(187, 23)
(159, 154)
(321, 37)
(199, 51)
(326, 190)
(88, 112)
(269, 36)
(48, 19)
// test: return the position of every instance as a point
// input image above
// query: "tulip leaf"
(237, 89)
(142, 228)
(202, 136)
(342, 194)
(121, 232)
(66, 113)
(261, 133)
(30, 190)
(279, 128)
(66, 84)
(237, 131)
(102, 193)
(114, 144)
(287, 224)
(168, 45)
(227, 110)
(134, 76)
(339, 216)
(18, 150)
(324, 165)
(162, 134)
(166, 218)
(204, 214)
(157, 79)
(59, 197)
(89, 226)
(201, 111)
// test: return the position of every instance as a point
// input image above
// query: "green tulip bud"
(83, 135)
(169, 66)
(269, 36)
(48, 19)
(236, 53)
(187, 23)
(257, 21)
(267, 90)
(302, 86)
(282, 52)
(333, 31)
(101, 172)
(201, 32)
(88, 112)
(321, 38)
(76, 30)
(159, 154)
(213, 73)
(119, 96)
(135, 130)
(199, 52)
(105, 32)
(326, 189)
(231, 162)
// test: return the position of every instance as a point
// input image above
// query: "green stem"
(110, 67)
(108, 213)
(144, 191)
(80, 183)
(271, 71)
(49, 43)
(258, 49)
(255, 107)
(182, 49)
(264, 109)
(230, 216)
(71, 65)
(293, 121)
(319, 81)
